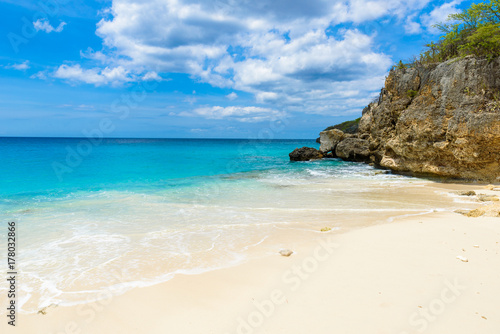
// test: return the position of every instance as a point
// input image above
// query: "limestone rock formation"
(329, 140)
(353, 149)
(305, 154)
(440, 119)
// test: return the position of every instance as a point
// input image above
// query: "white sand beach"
(432, 273)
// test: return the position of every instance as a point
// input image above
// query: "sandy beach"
(250, 167)
(431, 273)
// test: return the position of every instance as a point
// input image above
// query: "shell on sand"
(286, 252)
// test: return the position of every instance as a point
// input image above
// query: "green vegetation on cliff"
(474, 31)
(347, 127)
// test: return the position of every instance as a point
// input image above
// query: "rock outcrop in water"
(305, 154)
(440, 119)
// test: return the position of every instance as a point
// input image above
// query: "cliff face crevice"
(442, 120)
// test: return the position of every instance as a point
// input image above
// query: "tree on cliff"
(474, 31)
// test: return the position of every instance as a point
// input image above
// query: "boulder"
(353, 149)
(305, 154)
(329, 140)
(464, 193)
(487, 198)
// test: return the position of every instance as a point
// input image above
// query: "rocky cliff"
(441, 119)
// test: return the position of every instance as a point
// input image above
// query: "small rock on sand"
(462, 212)
(44, 310)
(465, 193)
(487, 198)
(475, 213)
(286, 252)
(462, 258)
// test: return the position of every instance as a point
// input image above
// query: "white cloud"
(94, 55)
(151, 76)
(263, 97)
(411, 26)
(98, 77)
(39, 75)
(440, 14)
(20, 67)
(232, 96)
(277, 50)
(198, 130)
(45, 26)
(241, 114)
(283, 52)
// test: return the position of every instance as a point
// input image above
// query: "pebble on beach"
(286, 252)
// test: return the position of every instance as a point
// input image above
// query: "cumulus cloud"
(42, 75)
(440, 14)
(20, 67)
(411, 26)
(45, 26)
(232, 96)
(94, 55)
(98, 77)
(151, 76)
(281, 51)
(249, 114)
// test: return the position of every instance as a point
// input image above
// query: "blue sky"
(211, 69)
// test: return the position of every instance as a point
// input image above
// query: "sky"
(263, 69)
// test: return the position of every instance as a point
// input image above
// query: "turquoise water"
(124, 213)
(58, 166)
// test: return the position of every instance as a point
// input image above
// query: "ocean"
(123, 213)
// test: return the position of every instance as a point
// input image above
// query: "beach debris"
(462, 258)
(476, 246)
(462, 212)
(464, 192)
(44, 310)
(492, 187)
(471, 213)
(286, 252)
(484, 317)
(489, 210)
(487, 198)
(326, 229)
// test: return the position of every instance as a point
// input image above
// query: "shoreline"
(194, 303)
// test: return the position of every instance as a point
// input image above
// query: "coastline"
(375, 278)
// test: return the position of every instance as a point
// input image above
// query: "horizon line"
(189, 138)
